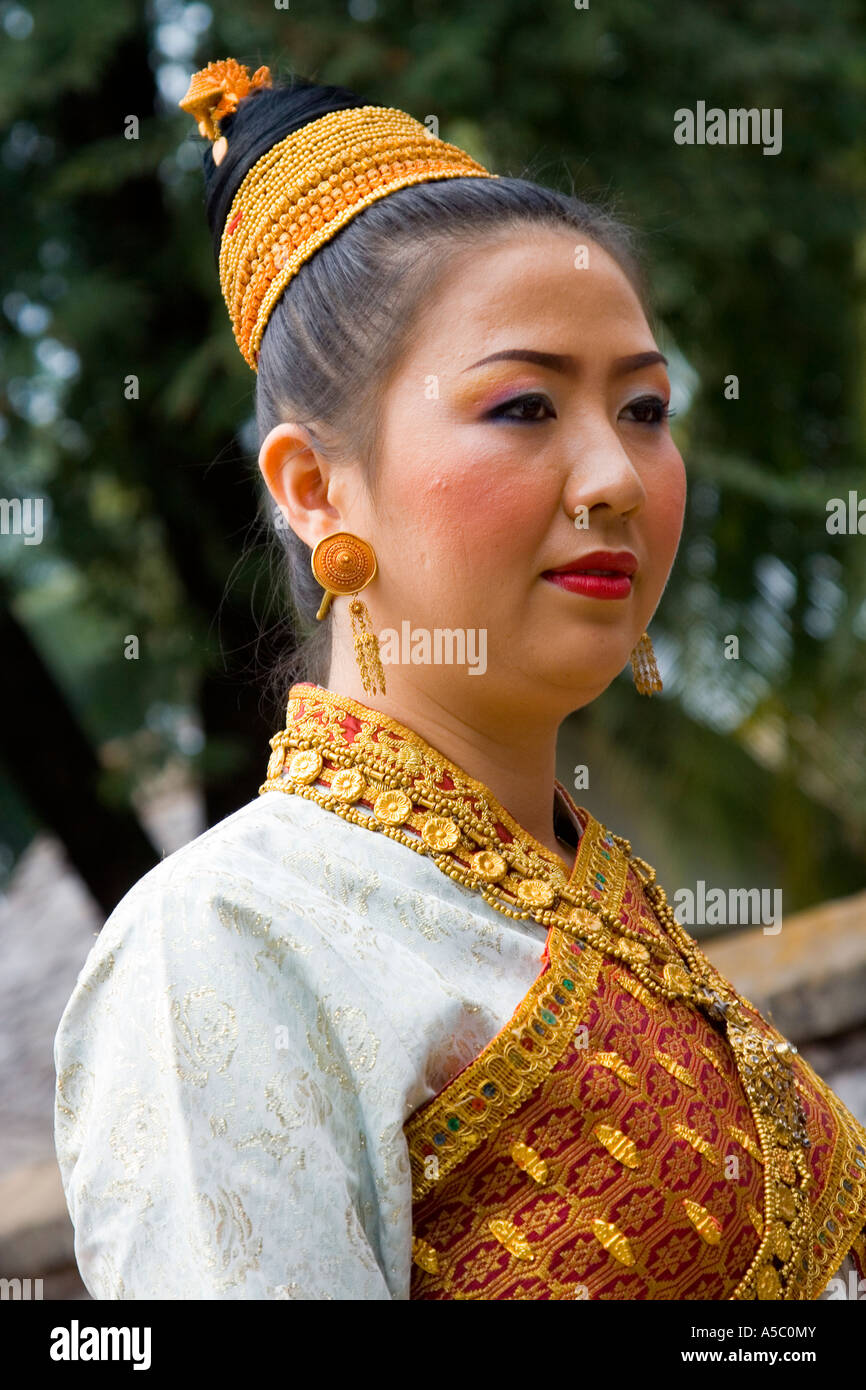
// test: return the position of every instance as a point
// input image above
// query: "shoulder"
(265, 852)
(265, 891)
(280, 842)
(247, 883)
(246, 837)
(204, 953)
(283, 857)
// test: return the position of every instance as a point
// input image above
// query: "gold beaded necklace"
(518, 877)
(400, 778)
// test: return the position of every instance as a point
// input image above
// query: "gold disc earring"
(644, 668)
(344, 565)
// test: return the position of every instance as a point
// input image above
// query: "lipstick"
(600, 574)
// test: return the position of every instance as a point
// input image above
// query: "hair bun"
(214, 92)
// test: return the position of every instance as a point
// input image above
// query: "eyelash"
(499, 411)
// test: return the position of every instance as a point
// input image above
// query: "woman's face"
(531, 392)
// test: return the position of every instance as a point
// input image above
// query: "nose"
(601, 474)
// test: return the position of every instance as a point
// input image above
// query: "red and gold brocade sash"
(603, 1145)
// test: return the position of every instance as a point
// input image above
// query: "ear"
(300, 479)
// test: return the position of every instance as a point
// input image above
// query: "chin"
(576, 682)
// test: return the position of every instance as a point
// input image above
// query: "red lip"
(613, 562)
(614, 583)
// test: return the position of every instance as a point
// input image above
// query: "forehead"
(538, 280)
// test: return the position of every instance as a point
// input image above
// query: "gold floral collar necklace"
(357, 756)
(371, 770)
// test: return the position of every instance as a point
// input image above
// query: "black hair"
(342, 322)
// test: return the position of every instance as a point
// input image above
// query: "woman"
(410, 1024)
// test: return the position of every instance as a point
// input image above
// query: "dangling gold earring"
(643, 665)
(344, 564)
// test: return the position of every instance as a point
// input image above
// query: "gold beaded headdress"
(308, 186)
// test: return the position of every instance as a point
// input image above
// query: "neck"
(512, 755)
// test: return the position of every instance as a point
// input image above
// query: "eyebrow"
(561, 362)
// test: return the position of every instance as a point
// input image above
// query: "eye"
(533, 406)
(650, 410)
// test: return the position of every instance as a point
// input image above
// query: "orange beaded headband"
(308, 186)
